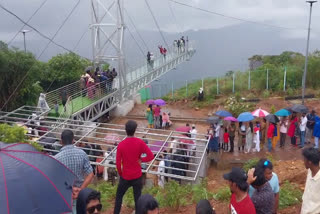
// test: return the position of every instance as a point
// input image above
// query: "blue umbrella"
(32, 182)
(223, 113)
(282, 113)
(245, 117)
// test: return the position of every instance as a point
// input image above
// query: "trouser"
(226, 147)
(293, 140)
(302, 137)
(316, 142)
(269, 145)
(123, 186)
(282, 139)
(309, 134)
(231, 143)
(157, 122)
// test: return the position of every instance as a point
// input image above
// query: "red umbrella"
(183, 129)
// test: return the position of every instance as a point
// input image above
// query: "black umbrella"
(300, 108)
(272, 118)
(213, 119)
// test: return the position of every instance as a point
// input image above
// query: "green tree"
(63, 69)
(19, 67)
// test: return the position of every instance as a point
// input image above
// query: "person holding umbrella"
(270, 135)
(283, 131)
(149, 116)
(231, 132)
(303, 124)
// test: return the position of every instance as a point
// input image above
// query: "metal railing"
(92, 138)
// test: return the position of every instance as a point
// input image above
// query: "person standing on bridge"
(164, 53)
(128, 161)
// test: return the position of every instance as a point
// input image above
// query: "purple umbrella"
(160, 102)
(231, 119)
(150, 102)
(156, 146)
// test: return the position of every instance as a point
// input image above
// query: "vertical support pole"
(267, 79)
(217, 85)
(172, 89)
(24, 42)
(249, 80)
(233, 82)
(202, 83)
(285, 78)
(186, 88)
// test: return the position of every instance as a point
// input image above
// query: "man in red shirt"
(240, 202)
(270, 134)
(128, 163)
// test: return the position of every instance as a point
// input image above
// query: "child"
(56, 108)
(256, 138)
(225, 140)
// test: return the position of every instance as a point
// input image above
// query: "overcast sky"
(286, 13)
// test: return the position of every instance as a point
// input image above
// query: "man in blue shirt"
(272, 177)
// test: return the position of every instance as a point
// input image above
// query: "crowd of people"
(258, 190)
(253, 136)
(91, 79)
(157, 118)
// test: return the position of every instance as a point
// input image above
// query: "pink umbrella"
(259, 113)
(150, 102)
(183, 129)
(112, 139)
(231, 119)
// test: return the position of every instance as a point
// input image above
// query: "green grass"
(290, 194)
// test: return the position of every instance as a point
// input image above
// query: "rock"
(197, 108)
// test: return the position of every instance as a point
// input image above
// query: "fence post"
(217, 85)
(202, 83)
(267, 79)
(249, 80)
(233, 82)
(172, 89)
(285, 78)
(186, 88)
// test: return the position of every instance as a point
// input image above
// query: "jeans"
(302, 136)
(293, 140)
(309, 134)
(316, 142)
(269, 145)
(123, 186)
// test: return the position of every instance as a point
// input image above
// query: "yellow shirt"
(311, 196)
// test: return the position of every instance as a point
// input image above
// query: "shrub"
(200, 191)
(290, 194)
(266, 94)
(108, 192)
(237, 107)
(175, 195)
(223, 194)
(250, 164)
(16, 134)
(273, 109)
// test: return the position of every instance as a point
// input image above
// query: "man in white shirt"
(303, 124)
(310, 198)
(193, 133)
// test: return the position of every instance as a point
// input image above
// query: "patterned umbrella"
(260, 113)
(112, 139)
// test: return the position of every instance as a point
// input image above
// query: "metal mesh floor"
(183, 156)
